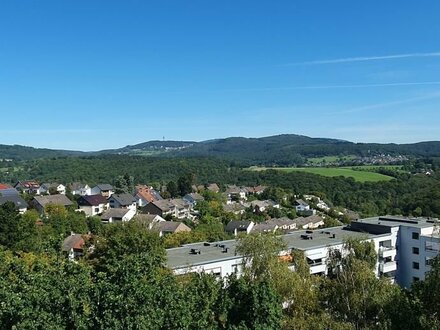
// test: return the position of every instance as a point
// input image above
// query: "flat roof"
(395, 221)
(182, 257)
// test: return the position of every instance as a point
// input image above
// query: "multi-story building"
(404, 247)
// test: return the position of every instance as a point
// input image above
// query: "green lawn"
(361, 176)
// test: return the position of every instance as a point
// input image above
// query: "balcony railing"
(386, 267)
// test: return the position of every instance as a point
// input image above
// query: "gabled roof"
(233, 189)
(301, 202)
(164, 205)
(170, 226)
(237, 224)
(264, 227)
(104, 186)
(123, 199)
(92, 200)
(77, 186)
(75, 241)
(4, 186)
(213, 187)
(146, 219)
(179, 203)
(52, 185)
(234, 207)
(259, 189)
(53, 199)
(114, 213)
(8, 192)
(193, 197)
(28, 184)
(280, 222)
(19, 202)
(314, 219)
(149, 195)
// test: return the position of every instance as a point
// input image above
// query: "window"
(415, 250)
(415, 279)
(428, 261)
(416, 265)
(415, 235)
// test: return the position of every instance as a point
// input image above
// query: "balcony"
(385, 252)
(317, 268)
(386, 267)
(432, 246)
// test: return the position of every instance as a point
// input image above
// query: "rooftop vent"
(195, 251)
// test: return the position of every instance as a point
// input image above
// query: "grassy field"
(361, 176)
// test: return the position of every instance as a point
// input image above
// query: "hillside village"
(241, 209)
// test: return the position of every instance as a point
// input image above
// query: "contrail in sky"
(366, 58)
(268, 89)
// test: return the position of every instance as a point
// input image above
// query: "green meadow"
(358, 175)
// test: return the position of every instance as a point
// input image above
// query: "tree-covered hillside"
(280, 150)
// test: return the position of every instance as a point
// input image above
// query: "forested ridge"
(281, 150)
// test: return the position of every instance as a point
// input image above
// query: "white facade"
(404, 248)
(91, 210)
(418, 245)
(83, 191)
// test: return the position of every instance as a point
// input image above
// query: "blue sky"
(89, 75)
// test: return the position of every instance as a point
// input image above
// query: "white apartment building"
(404, 247)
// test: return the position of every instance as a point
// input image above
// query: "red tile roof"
(4, 186)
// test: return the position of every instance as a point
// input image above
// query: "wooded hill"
(281, 150)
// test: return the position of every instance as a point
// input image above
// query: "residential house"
(170, 227)
(104, 189)
(29, 187)
(73, 246)
(145, 194)
(78, 188)
(283, 223)
(182, 208)
(235, 208)
(213, 187)
(301, 206)
(6, 190)
(93, 204)
(148, 220)
(40, 202)
(264, 227)
(162, 207)
(236, 227)
(262, 206)
(117, 215)
(310, 222)
(53, 188)
(176, 207)
(19, 202)
(234, 193)
(258, 190)
(123, 201)
(193, 198)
